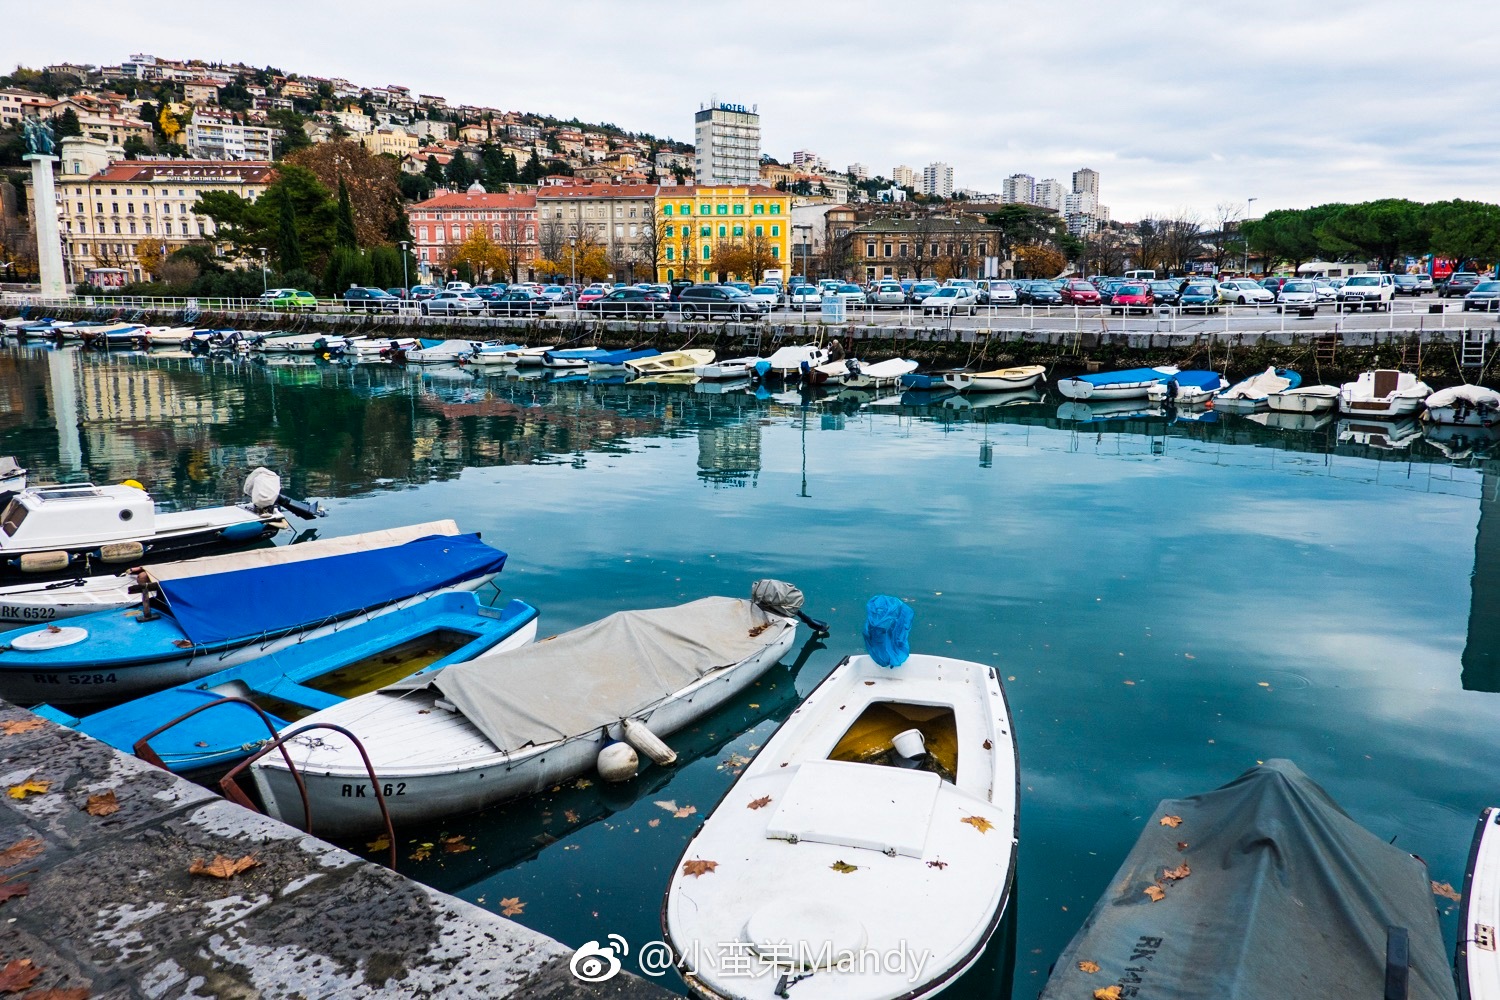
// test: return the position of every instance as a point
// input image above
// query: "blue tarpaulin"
(887, 630)
(265, 600)
(1125, 375)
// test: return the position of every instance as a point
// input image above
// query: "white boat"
(111, 335)
(1464, 405)
(880, 373)
(529, 357)
(516, 723)
(1477, 960)
(300, 343)
(44, 602)
(1129, 383)
(728, 369)
(868, 852)
(12, 477)
(494, 354)
(995, 380)
(1250, 395)
(791, 359)
(1383, 393)
(168, 336)
(1188, 388)
(672, 361)
(1304, 399)
(379, 348)
(441, 352)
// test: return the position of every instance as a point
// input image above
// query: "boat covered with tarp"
(1261, 888)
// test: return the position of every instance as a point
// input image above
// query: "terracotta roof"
(250, 171)
(463, 199)
(564, 191)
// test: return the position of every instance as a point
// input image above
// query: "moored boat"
(576, 357)
(689, 360)
(1304, 399)
(168, 336)
(528, 357)
(493, 354)
(1128, 383)
(1464, 406)
(879, 820)
(995, 379)
(728, 369)
(112, 335)
(1187, 388)
(1383, 393)
(514, 723)
(438, 352)
(1250, 395)
(299, 343)
(792, 359)
(616, 360)
(1476, 961)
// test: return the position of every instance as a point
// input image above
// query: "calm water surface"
(1169, 603)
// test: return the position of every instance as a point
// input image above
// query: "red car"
(1132, 297)
(1079, 293)
(589, 296)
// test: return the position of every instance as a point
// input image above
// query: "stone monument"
(41, 152)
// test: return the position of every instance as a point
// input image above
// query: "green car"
(288, 298)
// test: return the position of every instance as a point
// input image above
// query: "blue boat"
(617, 359)
(1187, 388)
(299, 680)
(1129, 383)
(579, 357)
(923, 381)
(265, 600)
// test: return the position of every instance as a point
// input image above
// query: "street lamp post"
(1244, 243)
(405, 279)
(573, 259)
(263, 283)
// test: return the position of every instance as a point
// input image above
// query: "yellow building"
(697, 223)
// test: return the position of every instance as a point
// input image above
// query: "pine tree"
(345, 235)
(66, 124)
(290, 251)
(433, 171)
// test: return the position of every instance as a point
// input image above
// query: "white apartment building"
(1018, 189)
(1086, 180)
(727, 144)
(211, 137)
(859, 172)
(937, 180)
(903, 176)
(1048, 193)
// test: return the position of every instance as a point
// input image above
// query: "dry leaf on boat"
(757, 630)
(570, 816)
(989, 745)
(31, 786)
(1182, 845)
(759, 803)
(13, 890)
(18, 974)
(1108, 993)
(1089, 967)
(103, 804)
(653, 822)
(1446, 891)
(422, 853)
(698, 867)
(21, 850)
(1156, 893)
(12, 727)
(979, 823)
(939, 865)
(222, 867)
(1181, 871)
(455, 844)
(1171, 821)
(843, 867)
(684, 812)
(511, 906)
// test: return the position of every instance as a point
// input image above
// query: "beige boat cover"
(281, 555)
(615, 668)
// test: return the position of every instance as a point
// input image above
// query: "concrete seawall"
(110, 905)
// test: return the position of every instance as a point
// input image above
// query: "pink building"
(448, 219)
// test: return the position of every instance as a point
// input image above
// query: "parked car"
(556, 293)
(1037, 293)
(359, 299)
(743, 286)
(709, 301)
(887, 293)
(951, 299)
(1370, 290)
(1459, 284)
(1425, 282)
(398, 293)
(1243, 291)
(590, 295)
(851, 294)
(634, 303)
(288, 298)
(804, 297)
(1078, 292)
(458, 286)
(1298, 294)
(1484, 297)
(1166, 292)
(1199, 296)
(1003, 293)
(769, 294)
(1327, 291)
(490, 293)
(420, 293)
(519, 300)
(920, 290)
(447, 301)
(1132, 296)
(1409, 284)
(1273, 284)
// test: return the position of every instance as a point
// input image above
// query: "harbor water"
(1169, 601)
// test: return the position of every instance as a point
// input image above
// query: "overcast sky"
(1178, 106)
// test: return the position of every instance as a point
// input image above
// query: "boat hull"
(1078, 389)
(1301, 402)
(26, 603)
(1380, 409)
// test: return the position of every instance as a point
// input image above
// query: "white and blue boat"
(492, 352)
(1188, 388)
(200, 623)
(1128, 383)
(1252, 395)
(610, 360)
(577, 357)
(297, 681)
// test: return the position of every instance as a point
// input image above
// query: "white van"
(1148, 274)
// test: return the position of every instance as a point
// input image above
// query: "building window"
(707, 254)
(722, 233)
(687, 209)
(670, 233)
(888, 249)
(902, 251)
(148, 225)
(114, 208)
(760, 230)
(132, 227)
(705, 231)
(775, 252)
(666, 210)
(869, 249)
(670, 253)
(775, 209)
(117, 226)
(723, 209)
(739, 210)
(759, 209)
(984, 249)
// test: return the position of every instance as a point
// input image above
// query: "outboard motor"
(782, 598)
(263, 487)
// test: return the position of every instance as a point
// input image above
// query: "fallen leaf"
(1182, 845)
(1156, 893)
(103, 804)
(13, 727)
(754, 705)
(979, 823)
(222, 867)
(18, 974)
(582, 783)
(570, 816)
(1108, 993)
(843, 867)
(14, 889)
(1263, 684)
(757, 630)
(1446, 891)
(183, 643)
(74, 993)
(1180, 872)
(422, 853)
(1171, 821)
(653, 822)
(201, 743)
(1089, 967)
(380, 843)
(21, 850)
(759, 803)
(670, 805)
(685, 812)
(511, 906)
(1129, 683)
(869, 683)
(989, 745)
(939, 865)
(29, 787)
(456, 845)
(698, 867)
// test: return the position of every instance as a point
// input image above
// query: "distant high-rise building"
(1018, 189)
(859, 172)
(903, 176)
(805, 158)
(1081, 203)
(937, 180)
(727, 144)
(1086, 181)
(1048, 194)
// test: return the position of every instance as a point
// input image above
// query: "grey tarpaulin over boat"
(1286, 897)
(593, 676)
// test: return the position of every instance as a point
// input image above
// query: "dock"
(97, 895)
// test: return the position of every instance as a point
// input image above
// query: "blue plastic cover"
(1127, 375)
(274, 599)
(888, 630)
(1197, 379)
(622, 356)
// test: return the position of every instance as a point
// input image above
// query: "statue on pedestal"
(39, 140)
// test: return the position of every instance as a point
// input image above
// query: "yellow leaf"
(653, 822)
(1155, 892)
(381, 843)
(684, 812)
(11, 727)
(1108, 993)
(1171, 821)
(28, 787)
(103, 804)
(1089, 967)
(222, 867)
(843, 867)
(979, 823)
(511, 906)
(1172, 875)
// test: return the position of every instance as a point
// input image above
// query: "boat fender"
(133, 484)
(618, 762)
(44, 562)
(640, 736)
(245, 531)
(121, 552)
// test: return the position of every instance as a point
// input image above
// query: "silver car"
(1002, 293)
(888, 293)
(952, 299)
(453, 302)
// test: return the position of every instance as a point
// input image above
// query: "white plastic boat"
(728, 369)
(672, 361)
(1304, 399)
(376, 348)
(12, 476)
(1250, 395)
(1187, 388)
(529, 357)
(1477, 960)
(44, 602)
(300, 343)
(789, 360)
(443, 352)
(1383, 393)
(168, 336)
(490, 355)
(515, 723)
(1129, 383)
(1464, 405)
(880, 373)
(868, 852)
(995, 380)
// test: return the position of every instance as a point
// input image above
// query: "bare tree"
(1225, 240)
(650, 247)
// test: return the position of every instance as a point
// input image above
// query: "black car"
(1459, 284)
(719, 300)
(359, 299)
(1038, 293)
(514, 301)
(1166, 293)
(633, 303)
(1409, 284)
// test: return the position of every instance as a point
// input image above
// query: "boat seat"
(287, 689)
(855, 805)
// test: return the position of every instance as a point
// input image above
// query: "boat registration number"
(73, 678)
(22, 613)
(363, 791)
